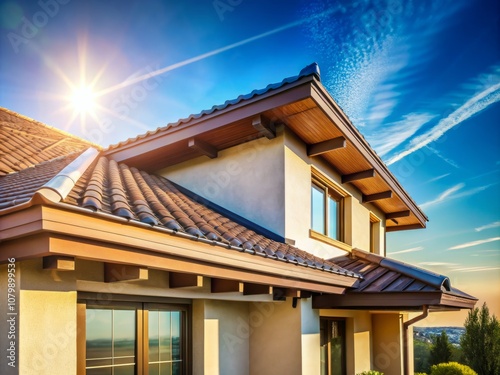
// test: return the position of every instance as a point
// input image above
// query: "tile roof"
(129, 193)
(310, 70)
(19, 187)
(25, 142)
(384, 275)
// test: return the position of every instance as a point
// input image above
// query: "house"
(246, 239)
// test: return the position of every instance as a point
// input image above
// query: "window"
(374, 234)
(326, 211)
(133, 338)
(333, 350)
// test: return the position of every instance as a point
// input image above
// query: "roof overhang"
(60, 230)
(401, 301)
(306, 108)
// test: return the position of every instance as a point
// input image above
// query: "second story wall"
(362, 224)
(247, 179)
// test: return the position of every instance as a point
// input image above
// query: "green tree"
(440, 350)
(481, 341)
(421, 353)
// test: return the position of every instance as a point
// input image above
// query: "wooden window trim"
(142, 310)
(338, 193)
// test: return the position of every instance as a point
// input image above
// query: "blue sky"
(420, 79)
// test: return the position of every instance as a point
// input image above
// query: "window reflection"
(165, 354)
(110, 341)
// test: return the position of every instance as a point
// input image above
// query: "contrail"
(474, 105)
(211, 53)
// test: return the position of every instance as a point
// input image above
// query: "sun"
(83, 99)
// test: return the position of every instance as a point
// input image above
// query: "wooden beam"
(59, 263)
(395, 215)
(325, 146)
(124, 272)
(377, 196)
(184, 280)
(251, 289)
(403, 227)
(280, 294)
(263, 126)
(226, 286)
(203, 148)
(358, 176)
(395, 221)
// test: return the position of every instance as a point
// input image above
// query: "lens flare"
(83, 99)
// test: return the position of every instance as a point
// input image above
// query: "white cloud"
(439, 177)
(474, 243)
(474, 105)
(397, 132)
(413, 249)
(488, 226)
(443, 196)
(477, 269)
(450, 194)
(435, 264)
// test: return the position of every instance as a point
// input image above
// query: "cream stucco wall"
(298, 204)
(46, 321)
(246, 179)
(387, 340)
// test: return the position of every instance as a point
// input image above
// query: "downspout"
(406, 325)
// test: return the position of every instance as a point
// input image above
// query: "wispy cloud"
(474, 243)
(413, 249)
(479, 102)
(476, 269)
(436, 264)
(443, 196)
(496, 224)
(453, 193)
(398, 132)
(442, 157)
(438, 177)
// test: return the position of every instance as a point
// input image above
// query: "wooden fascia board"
(410, 300)
(331, 109)
(457, 301)
(19, 223)
(245, 109)
(92, 250)
(144, 237)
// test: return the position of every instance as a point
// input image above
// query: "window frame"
(142, 312)
(327, 369)
(331, 189)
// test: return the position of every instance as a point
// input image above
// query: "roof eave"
(325, 101)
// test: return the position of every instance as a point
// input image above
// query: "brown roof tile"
(25, 142)
(127, 192)
(19, 187)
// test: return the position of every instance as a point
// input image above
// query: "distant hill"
(426, 333)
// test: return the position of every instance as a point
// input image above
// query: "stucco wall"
(298, 204)
(387, 339)
(246, 179)
(275, 339)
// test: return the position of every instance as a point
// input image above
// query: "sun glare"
(83, 99)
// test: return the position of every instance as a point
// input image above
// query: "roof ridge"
(52, 128)
(309, 70)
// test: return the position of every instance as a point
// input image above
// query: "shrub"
(452, 368)
(419, 373)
